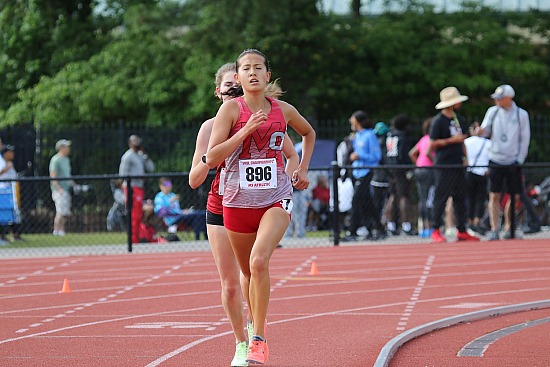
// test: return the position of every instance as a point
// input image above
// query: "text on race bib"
(258, 173)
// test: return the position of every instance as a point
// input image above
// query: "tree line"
(153, 61)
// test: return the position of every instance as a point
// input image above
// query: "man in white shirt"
(508, 127)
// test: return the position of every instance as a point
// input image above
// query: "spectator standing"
(135, 162)
(508, 126)
(60, 167)
(380, 181)
(422, 156)
(447, 139)
(7, 171)
(366, 153)
(345, 195)
(477, 151)
(397, 153)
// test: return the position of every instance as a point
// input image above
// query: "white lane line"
(295, 272)
(402, 324)
(103, 299)
(39, 272)
(508, 282)
(347, 273)
(324, 295)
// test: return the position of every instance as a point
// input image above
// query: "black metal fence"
(99, 224)
(97, 148)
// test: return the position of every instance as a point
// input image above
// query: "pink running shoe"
(258, 352)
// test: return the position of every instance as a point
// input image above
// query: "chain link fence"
(100, 223)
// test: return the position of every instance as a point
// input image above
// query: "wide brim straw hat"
(449, 97)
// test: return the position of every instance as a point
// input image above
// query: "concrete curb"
(393, 345)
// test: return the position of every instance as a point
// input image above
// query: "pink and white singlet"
(255, 171)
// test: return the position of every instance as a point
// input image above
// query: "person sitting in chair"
(168, 208)
(167, 205)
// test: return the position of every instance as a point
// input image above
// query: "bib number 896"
(258, 173)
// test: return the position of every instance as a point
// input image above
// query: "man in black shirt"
(447, 139)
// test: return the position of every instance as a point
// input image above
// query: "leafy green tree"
(39, 38)
(153, 61)
(137, 76)
(290, 36)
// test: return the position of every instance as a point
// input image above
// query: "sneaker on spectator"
(437, 237)
(478, 229)
(392, 229)
(408, 229)
(465, 236)
(350, 238)
(411, 232)
(531, 230)
(425, 233)
(508, 235)
(451, 231)
(493, 236)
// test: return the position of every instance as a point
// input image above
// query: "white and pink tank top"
(255, 171)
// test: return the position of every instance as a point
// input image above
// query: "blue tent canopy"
(324, 153)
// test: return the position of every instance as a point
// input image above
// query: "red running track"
(165, 310)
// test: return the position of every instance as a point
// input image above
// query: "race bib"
(221, 187)
(258, 173)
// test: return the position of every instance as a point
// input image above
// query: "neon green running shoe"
(241, 350)
(250, 329)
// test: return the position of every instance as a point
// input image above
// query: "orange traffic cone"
(314, 270)
(65, 288)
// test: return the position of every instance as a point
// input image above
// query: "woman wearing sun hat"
(447, 140)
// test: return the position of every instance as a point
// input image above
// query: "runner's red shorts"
(245, 220)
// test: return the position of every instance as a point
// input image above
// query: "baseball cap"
(8, 148)
(381, 128)
(502, 91)
(62, 143)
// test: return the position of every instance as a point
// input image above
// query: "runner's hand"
(300, 179)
